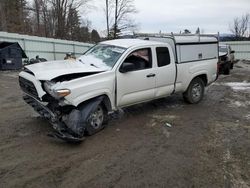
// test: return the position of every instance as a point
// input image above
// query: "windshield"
(102, 55)
(222, 49)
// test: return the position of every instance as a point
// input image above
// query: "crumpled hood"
(52, 69)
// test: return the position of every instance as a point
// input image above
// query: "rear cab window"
(163, 56)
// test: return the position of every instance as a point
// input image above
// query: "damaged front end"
(69, 122)
(54, 113)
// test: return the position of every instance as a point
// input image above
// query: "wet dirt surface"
(165, 143)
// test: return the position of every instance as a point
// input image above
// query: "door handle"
(150, 75)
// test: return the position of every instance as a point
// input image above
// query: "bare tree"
(48, 19)
(118, 14)
(61, 9)
(3, 24)
(37, 9)
(240, 26)
(107, 17)
(13, 15)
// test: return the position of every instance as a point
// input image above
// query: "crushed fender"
(77, 120)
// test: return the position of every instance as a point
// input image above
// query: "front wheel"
(96, 120)
(195, 91)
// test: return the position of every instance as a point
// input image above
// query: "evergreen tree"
(197, 31)
(95, 37)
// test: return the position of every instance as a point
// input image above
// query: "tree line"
(63, 19)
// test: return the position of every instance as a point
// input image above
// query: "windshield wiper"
(81, 61)
(94, 65)
(89, 64)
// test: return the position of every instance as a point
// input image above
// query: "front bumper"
(62, 132)
(41, 108)
(30, 85)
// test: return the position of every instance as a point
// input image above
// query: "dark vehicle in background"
(37, 60)
(226, 59)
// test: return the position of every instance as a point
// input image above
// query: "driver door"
(137, 85)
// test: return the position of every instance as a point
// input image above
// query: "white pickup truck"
(77, 95)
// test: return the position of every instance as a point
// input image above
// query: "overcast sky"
(211, 16)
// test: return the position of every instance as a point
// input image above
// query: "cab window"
(141, 59)
(163, 57)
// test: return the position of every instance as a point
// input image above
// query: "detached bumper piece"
(66, 137)
(40, 108)
(61, 131)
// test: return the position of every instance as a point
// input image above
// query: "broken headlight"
(49, 87)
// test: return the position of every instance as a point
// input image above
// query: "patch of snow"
(240, 103)
(247, 116)
(237, 86)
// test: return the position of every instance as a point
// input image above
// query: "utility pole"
(115, 27)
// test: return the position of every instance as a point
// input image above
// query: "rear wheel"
(96, 120)
(195, 91)
(232, 66)
(226, 68)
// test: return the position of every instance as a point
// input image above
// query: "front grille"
(28, 87)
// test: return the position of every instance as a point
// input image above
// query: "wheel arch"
(104, 100)
(203, 77)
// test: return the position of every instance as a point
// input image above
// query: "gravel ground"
(165, 143)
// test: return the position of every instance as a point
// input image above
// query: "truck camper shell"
(188, 48)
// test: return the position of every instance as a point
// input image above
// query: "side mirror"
(127, 67)
(232, 52)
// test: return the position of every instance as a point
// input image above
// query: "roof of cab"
(127, 43)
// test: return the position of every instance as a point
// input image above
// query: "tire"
(227, 70)
(232, 66)
(195, 92)
(97, 120)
